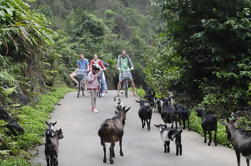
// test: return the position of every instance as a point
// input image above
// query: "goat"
(150, 97)
(168, 113)
(168, 135)
(51, 148)
(111, 131)
(12, 125)
(208, 124)
(183, 115)
(14, 128)
(145, 113)
(241, 141)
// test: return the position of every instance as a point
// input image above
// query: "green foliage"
(15, 161)
(212, 39)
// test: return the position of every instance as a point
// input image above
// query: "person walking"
(102, 79)
(124, 63)
(93, 85)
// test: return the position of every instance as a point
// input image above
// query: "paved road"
(81, 144)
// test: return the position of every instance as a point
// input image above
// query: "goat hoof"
(121, 154)
(209, 144)
(104, 160)
(111, 161)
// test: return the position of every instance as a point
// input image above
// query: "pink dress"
(93, 81)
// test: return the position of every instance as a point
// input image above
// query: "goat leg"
(184, 124)
(205, 136)
(148, 124)
(167, 144)
(111, 153)
(142, 121)
(247, 160)
(104, 149)
(215, 137)
(210, 138)
(177, 149)
(120, 146)
(48, 160)
(238, 156)
(55, 160)
(176, 125)
(180, 149)
(165, 147)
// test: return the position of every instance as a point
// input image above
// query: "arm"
(102, 65)
(78, 65)
(118, 62)
(88, 68)
(90, 77)
(130, 62)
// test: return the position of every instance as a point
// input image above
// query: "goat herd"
(112, 130)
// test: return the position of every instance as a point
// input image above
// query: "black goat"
(168, 113)
(183, 115)
(112, 131)
(145, 113)
(168, 135)
(51, 147)
(241, 141)
(14, 128)
(12, 125)
(209, 124)
(150, 97)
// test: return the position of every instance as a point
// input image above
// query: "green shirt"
(124, 64)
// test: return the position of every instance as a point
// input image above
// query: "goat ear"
(127, 109)
(157, 125)
(180, 131)
(54, 123)
(46, 123)
(60, 131)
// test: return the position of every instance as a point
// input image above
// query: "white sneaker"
(102, 94)
(95, 110)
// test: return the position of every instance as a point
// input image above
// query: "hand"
(132, 68)
(119, 69)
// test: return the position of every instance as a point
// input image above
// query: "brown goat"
(112, 131)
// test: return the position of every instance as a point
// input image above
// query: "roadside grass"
(14, 150)
(195, 125)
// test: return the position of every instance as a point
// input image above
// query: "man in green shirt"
(125, 65)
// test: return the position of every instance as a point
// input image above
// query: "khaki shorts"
(126, 74)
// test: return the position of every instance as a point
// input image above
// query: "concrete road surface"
(81, 143)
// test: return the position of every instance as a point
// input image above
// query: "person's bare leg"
(133, 87)
(85, 82)
(118, 87)
(72, 76)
